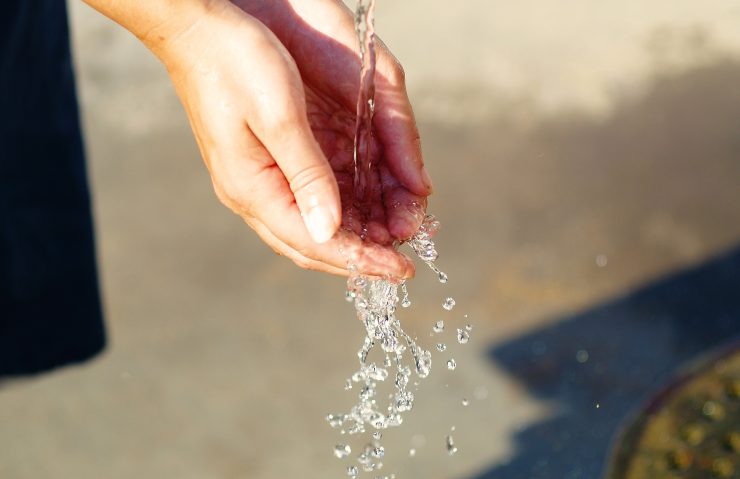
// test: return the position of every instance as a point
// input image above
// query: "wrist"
(159, 24)
(169, 35)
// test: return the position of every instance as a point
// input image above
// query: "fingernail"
(320, 223)
(426, 179)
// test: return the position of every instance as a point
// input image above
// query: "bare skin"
(270, 87)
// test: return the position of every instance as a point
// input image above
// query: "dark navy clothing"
(50, 311)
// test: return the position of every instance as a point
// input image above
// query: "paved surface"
(587, 164)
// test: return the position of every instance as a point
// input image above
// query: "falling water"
(387, 350)
(365, 28)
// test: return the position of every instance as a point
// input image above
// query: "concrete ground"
(587, 166)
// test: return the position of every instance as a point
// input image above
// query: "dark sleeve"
(50, 312)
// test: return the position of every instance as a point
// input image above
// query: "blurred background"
(586, 158)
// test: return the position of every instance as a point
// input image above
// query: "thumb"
(314, 186)
(280, 121)
(309, 175)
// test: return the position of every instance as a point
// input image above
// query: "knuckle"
(283, 121)
(306, 176)
(305, 251)
(398, 74)
(236, 199)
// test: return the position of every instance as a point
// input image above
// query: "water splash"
(450, 443)
(342, 450)
(449, 304)
(375, 302)
(405, 301)
(387, 350)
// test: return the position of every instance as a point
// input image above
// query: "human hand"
(321, 38)
(267, 117)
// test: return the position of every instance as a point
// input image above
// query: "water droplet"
(449, 304)
(451, 448)
(468, 327)
(465, 402)
(463, 336)
(376, 373)
(424, 364)
(441, 347)
(401, 381)
(377, 421)
(356, 429)
(451, 364)
(582, 356)
(412, 452)
(335, 420)
(404, 401)
(375, 303)
(348, 385)
(342, 450)
(349, 296)
(405, 301)
(439, 326)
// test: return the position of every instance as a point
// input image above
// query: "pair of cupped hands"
(270, 88)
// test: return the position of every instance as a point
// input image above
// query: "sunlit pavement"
(586, 165)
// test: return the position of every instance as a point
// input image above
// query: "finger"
(373, 209)
(396, 127)
(283, 220)
(264, 194)
(281, 124)
(405, 210)
(369, 223)
(373, 259)
(332, 47)
(257, 189)
(283, 249)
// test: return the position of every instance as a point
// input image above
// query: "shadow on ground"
(597, 366)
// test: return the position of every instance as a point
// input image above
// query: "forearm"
(156, 22)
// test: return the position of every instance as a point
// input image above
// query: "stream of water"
(387, 352)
